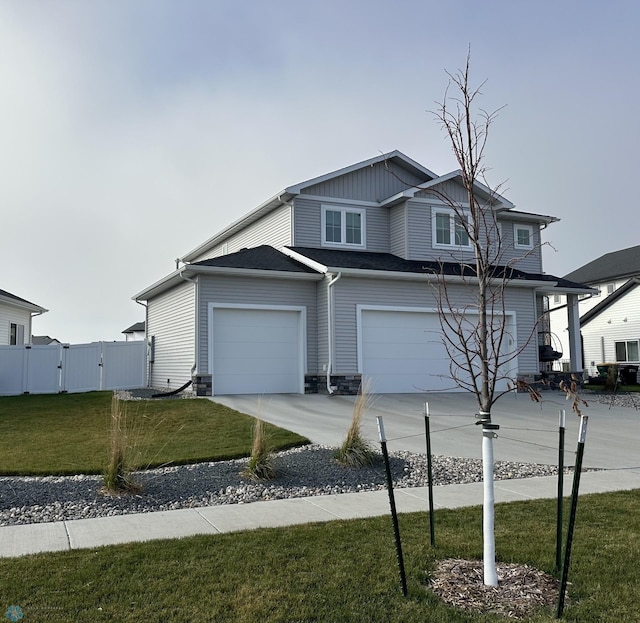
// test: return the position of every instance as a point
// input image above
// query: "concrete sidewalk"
(91, 533)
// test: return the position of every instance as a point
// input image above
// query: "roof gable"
(395, 163)
(608, 267)
(610, 300)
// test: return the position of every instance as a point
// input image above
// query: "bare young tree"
(474, 321)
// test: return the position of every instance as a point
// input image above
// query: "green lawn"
(69, 433)
(337, 572)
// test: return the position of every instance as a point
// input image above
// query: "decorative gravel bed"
(302, 472)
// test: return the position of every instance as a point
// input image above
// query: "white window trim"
(516, 244)
(343, 221)
(626, 350)
(452, 213)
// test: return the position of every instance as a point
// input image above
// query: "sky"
(130, 132)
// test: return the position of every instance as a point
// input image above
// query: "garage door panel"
(266, 384)
(256, 351)
(253, 334)
(264, 366)
(229, 349)
(400, 351)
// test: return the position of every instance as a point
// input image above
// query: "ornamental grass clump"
(355, 450)
(260, 465)
(118, 477)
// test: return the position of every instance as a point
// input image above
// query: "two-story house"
(16, 318)
(610, 315)
(331, 280)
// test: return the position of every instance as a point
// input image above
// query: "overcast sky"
(131, 131)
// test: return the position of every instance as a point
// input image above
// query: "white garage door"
(402, 352)
(256, 351)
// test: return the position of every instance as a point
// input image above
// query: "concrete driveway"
(528, 431)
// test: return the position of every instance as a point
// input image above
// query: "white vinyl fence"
(72, 368)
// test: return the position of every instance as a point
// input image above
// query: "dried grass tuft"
(118, 477)
(260, 465)
(355, 450)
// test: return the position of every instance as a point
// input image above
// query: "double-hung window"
(523, 236)
(450, 228)
(343, 226)
(627, 351)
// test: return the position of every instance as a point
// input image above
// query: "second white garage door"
(402, 352)
(257, 351)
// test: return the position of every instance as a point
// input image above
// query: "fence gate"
(72, 368)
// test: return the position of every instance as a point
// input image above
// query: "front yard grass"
(336, 572)
(69, 433)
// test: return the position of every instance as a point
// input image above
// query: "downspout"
(330, 283)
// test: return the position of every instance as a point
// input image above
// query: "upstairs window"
(627, 351)
(449, 228)
(611, 288)
(342, 227)
(523, 236)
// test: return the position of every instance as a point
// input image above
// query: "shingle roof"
(258, 258)
(366, 260)
(20, 301)
(138, 326)
(14, 297)
(611, 266)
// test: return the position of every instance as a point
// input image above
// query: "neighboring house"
(43, 340)
(610, 316)
(135, 333)
(330, 281)
(15, 318)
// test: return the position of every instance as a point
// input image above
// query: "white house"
(331, 280)
(16, 316)
(610, 315)
(135, 333)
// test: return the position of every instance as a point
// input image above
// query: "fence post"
(427, 426)
(392, 503)
(572, 516)
(561, 430)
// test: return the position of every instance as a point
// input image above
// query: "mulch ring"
(521, 590)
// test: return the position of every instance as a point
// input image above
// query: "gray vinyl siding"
(350, 292)
(258, 291)
(308, 224)
(273, 229)
(522, 259)
(451, 189)
(398, 232)
(374, 183)
(323, 324)
(171, 320)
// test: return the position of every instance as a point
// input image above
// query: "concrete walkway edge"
(22, 540)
